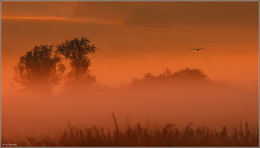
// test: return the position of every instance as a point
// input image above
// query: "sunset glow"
(152, 63)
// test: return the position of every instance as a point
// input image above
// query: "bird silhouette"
(197, 49)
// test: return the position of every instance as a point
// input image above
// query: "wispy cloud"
(33, 18)
(89, 20)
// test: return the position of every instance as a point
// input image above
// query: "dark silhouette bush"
(186, 75)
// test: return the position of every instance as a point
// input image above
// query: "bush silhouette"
(167, 76)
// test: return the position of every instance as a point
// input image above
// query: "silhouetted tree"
(39, 69)
(77, 50)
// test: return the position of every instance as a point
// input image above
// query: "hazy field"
(212, 109)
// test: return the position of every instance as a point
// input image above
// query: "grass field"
(137, 135)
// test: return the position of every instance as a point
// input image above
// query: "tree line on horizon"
(43, 67)
(169, 76)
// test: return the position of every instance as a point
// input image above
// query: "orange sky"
(134, 38)
(138, 37)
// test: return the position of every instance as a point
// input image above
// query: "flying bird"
(197, 49)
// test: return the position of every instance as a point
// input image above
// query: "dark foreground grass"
(166, 135)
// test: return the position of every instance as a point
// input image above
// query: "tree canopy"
(76, 51)
(39, 69)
